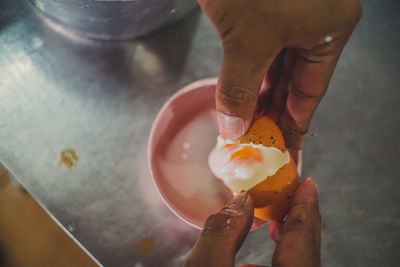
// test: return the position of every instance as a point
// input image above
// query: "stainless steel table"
(59, 91)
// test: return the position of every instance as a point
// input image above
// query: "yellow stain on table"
(69, 158)
(146, 245)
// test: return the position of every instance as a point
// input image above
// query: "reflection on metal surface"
(114, 19)
(151, 63)
(112, 99)
(21, 64)
(59, 28)
(61, 91)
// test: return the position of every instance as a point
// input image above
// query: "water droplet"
(328, 38)
(186, 145)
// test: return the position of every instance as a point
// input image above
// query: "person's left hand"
(298, 239)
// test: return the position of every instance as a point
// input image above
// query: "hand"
(292, 45)
(298, 240)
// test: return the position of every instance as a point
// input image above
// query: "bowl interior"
(181, 139)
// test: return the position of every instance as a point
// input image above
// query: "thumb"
(223, 234)
(299, 243)
(237, 92)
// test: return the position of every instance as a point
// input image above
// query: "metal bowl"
(114, 19)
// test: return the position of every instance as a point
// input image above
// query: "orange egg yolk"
(247, 154)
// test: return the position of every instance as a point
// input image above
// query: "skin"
(285, 49)
(298, 239)
(279, 57)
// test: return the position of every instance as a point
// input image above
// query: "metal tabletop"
(59, 91)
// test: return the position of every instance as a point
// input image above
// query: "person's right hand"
(296, 43)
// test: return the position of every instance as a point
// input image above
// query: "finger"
(297, 156)
(275, 108)
(275, 70)
(246, 61)
(270, 82)
(223, 234)
(275, 230)
(300, 241)
(237, 91)
(311, 74)
(252, 265)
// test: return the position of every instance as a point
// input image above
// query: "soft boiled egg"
(242, 166)
(260, 164)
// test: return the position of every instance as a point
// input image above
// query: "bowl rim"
(211, 81)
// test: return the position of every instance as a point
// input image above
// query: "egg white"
(243, 176)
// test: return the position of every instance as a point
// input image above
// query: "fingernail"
(230, 127)
(310, 180)
(238, 201)
(244, 195)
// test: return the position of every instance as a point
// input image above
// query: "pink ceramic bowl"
(183, 134)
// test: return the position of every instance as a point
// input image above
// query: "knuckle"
(230, 213)
(236, 95)
(217, 223)
(226, 31)
(293, 129)
(309, 94)
(232, 45)
(303, 216)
